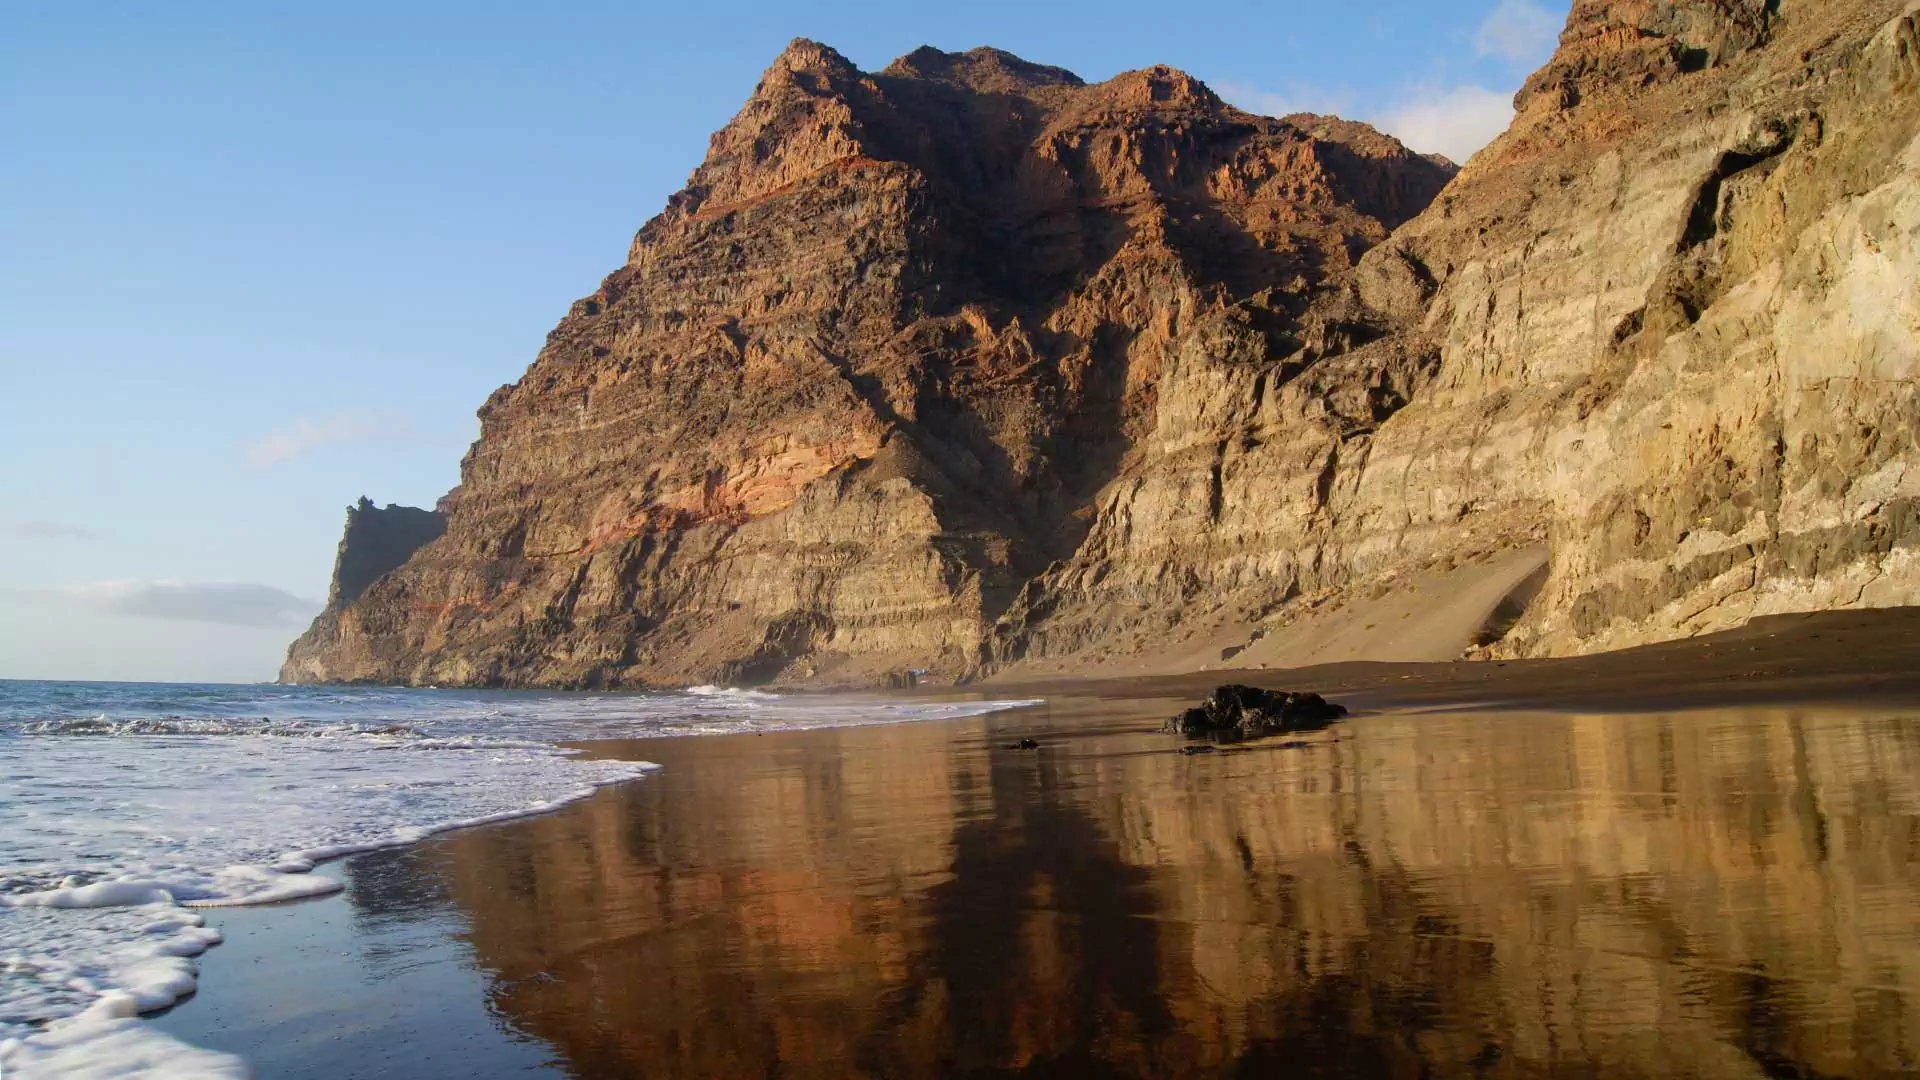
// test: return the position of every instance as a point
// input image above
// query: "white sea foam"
(126, 808)
(95, 970)
(709, 690)
(109, 1041)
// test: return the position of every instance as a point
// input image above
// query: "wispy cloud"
(1455, 122)
(1520, 31)
(47, 530)
(305, 435)
(226, 603)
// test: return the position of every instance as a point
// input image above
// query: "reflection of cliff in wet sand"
(1714, 893)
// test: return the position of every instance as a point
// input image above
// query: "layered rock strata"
(969, 367)
(1667, 326)
(870, 373)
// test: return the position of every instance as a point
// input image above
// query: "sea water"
(128, 809)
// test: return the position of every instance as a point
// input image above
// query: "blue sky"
(257, 262)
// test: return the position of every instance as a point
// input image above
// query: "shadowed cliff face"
(376, 542)
(966, 366)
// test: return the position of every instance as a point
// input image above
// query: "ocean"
(128, 809)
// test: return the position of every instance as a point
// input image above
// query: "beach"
(1338, 541)
(1626, 867)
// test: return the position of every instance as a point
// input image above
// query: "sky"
(259, 260)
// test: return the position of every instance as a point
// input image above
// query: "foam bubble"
(97, 969)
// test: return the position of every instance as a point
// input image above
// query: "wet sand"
(1700, 860)
(1841, 656)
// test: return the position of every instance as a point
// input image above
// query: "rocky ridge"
(966, 366)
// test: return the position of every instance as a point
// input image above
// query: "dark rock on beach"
(1247, 712)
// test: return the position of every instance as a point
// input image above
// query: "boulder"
(1248, 712)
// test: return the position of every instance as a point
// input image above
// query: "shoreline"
(1784, 659)
(769, 879)
(838, 835)
(1807, 656)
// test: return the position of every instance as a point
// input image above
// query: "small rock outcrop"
(1248, 712)
(377, 541)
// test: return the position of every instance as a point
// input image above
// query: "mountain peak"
(805, 54)
(982, 69)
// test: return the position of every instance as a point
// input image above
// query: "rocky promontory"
(966, 366)
(376, 542)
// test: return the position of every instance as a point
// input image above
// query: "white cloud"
(67, 641)
(1520, 31)
(224, 603)
(1455, 122)
(1452, 120)
(304, 436)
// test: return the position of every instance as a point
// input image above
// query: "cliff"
(869, 372)
(1665, 330)
(376, 542)
(970, 367)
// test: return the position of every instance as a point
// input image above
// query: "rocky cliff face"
(376, 542)
(1663, 330)
(869, 373)
(967, 366)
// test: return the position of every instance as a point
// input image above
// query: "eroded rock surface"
(967, 367)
